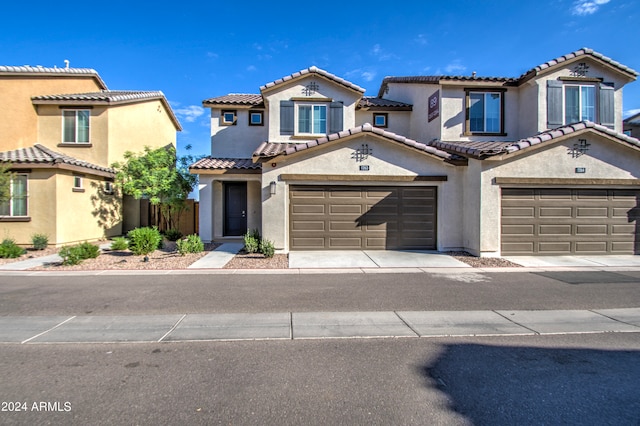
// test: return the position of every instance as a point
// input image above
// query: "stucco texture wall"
(19, 123)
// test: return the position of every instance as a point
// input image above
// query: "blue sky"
(195, 50)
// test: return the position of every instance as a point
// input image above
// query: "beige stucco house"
(535, 164)
(61, 130)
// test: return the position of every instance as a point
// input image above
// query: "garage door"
(342, 217)
(570, 221)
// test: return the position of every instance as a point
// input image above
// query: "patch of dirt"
(482, 262)
(165, 259)
(258, 261)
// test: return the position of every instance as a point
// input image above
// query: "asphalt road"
(216, 293)
(589, 379)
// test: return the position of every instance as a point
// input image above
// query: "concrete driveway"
(372, 259)
(571, 261)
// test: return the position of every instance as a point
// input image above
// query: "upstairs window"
(256, 118)
(17, 203)
(306, 119)
(570, 101)
(484, 112)
(229, 118)
(380, 119)
(75, 128)
(312, 119)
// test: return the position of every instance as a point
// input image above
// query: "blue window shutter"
(286, 118)
(554, 104)
(336, 120)
(607, 106)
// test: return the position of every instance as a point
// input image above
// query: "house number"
(364, 168)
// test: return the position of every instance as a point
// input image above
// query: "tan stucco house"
(61, 130)
(535, 164)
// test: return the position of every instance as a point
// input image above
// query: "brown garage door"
(570, 221)
(342, 217)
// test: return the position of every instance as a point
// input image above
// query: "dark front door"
(235, 208)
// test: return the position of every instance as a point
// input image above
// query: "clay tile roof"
(39, 154)
(372, 103)
(633, 120)
(312, 70)
(438, 79)
(51, 72)
(482, 150)
(270, 149)
(241, 99)
(108, 97)
(211, 163)
(577, 53)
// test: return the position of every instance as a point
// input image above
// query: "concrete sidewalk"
(312, 325)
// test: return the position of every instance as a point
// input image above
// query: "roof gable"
(482, 150)
(575, 56)
(311, 71)
(269, 150)
(108, 97)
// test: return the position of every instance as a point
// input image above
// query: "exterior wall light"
(272, 188)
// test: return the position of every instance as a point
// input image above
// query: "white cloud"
(360, 73)
(251, 68)
(189, 113)
(212, 55)
(368, 76)
(379, 53)
(421, 39)
(630, 112)
(455, 67)
(587, 7)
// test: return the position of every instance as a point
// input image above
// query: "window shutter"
(336, 120)
(607, 106)
(286, 118)
(554, 104)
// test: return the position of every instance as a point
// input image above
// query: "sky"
(195, 50)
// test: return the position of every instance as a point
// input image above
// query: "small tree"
(160, 176)
(5, 183)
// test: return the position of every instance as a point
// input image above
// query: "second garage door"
(570, 221)
(343, 217)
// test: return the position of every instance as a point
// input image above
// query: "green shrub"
(267, 248)
(10, 250)
(252, 241)
(173, 234)
(88, 250)
(143, 241)
(74, 255)
(119, 243)
(190, 244)
(39, 241)
(70, 255)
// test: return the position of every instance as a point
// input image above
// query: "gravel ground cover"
(168, 259)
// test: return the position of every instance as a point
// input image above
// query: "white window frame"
(311, 104)
(580, 115)
(259, 113)
(26, 197)
(385, 119)
(223, 117)
(75, 136)
(77, 182)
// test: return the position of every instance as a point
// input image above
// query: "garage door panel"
(591, 230)
(300, 225)
(555, 212)
(362, 217)
(518, 212)
(570, 221)
(601, 212)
